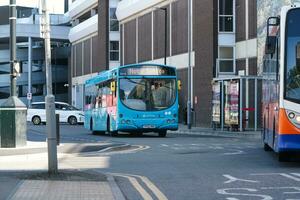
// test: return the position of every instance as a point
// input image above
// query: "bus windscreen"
(292, 63)
(147, 94)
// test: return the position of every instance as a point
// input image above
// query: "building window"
(226, 60)
(113, 21)
(114, 50)
(226, 15)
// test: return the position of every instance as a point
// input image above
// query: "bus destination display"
(147, 71)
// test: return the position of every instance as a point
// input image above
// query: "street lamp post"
(12, 44)
(189, 104)
(166, 33)
(50, 104)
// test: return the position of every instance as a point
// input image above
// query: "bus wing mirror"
(113, 86)
(272, 23)
(298, 54)
(270, 45)
(179, 84)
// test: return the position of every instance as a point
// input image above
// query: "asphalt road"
(182, 167)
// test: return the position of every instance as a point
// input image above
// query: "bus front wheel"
(162, 133)
(110, 132)
(283, 157)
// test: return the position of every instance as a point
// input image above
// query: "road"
(181, 167)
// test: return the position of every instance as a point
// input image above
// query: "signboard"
(147, 71)
(234, 103)
(216, 103)
(231, 107)
(29, 96)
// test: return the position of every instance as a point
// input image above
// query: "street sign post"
(29, 96)
(50, 104)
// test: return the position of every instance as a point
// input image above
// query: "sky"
(55, 6)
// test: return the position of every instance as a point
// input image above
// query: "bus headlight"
(298, 119)
(292, 115)
(123, 121)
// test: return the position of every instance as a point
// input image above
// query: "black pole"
(12, 44)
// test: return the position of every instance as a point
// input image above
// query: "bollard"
(57, 129)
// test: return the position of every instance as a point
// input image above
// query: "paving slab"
(67, 184)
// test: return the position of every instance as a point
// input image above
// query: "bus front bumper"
(147, 127)
(288, 142)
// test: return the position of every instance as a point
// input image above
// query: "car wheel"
(72, 120)
(36, 120)
(162, 133)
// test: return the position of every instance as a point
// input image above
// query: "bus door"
(272, 65)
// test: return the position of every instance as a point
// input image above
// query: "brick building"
(224, 42)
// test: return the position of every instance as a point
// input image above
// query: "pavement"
(183, 130)
(24, 172)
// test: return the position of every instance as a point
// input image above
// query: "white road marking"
(280, 174)
(239, 192)
(296, 174)
(297, 189)
(237, 152)
(234, 179)
(178, 145)
(164, 145)
(290, 177)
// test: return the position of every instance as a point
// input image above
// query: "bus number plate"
(148, 126)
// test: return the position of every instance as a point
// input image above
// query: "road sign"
(29, 96)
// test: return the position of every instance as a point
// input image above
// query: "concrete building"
(95, 42)
(223, 35)
(30, 52)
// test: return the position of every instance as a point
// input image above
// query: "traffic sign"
(29, 96)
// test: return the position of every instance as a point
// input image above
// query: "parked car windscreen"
(64, 107)
(38, 106)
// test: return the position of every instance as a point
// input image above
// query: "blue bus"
(135, 98)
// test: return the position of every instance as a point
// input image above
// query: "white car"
(67, 113)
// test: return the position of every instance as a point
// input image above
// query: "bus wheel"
(91, 128)
(95, 132)
(283, 157)
(162, 133)
(111, 133)
(267, 147)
